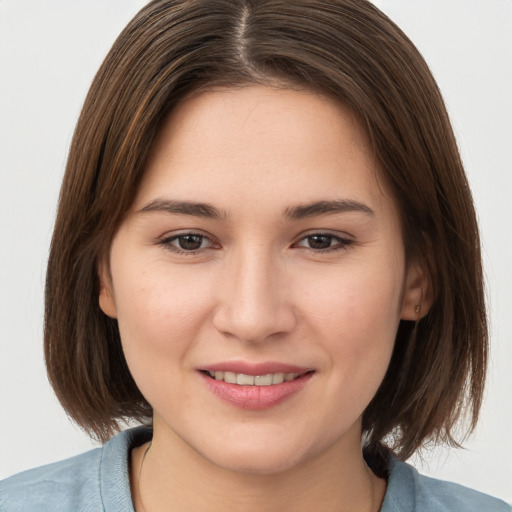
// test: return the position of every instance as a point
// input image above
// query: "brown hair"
(346, 49)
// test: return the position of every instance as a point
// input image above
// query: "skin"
(256, 291)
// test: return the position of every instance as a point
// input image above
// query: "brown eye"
(324, 242)
(189, 242)
(319, 241)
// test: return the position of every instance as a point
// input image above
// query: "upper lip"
(255, 368)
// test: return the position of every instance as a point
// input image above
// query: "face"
(259, 279)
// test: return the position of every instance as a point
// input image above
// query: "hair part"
(347, 50)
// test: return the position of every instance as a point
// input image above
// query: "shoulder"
(93, 481)
(410, 491)
(55, 486)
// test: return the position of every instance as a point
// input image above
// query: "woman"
(265, 250)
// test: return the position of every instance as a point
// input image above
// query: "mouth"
(255, 387)
(243, 379)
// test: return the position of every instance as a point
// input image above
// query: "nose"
(254, 304)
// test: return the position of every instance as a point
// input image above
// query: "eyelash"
(342, 244)
(167, 243)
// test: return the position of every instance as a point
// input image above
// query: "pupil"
(190, 242)
(319, 241)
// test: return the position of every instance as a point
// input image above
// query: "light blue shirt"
(98, 481)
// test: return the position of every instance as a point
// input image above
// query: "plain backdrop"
(49, 52)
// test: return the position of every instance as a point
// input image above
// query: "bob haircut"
(344, 49)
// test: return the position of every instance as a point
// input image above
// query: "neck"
(174, 477)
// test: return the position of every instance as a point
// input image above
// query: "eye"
(324, 242)
(187, 243)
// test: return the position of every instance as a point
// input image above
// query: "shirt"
(98, 481)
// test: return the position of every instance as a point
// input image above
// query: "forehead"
(237, 145)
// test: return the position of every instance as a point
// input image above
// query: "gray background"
(49, 52)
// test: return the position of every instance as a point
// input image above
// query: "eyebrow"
(327, 207)
(302, 211)
(184, 208)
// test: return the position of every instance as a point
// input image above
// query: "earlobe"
(106, 296)
(417, 297)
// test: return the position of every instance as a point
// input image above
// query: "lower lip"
(256, 397)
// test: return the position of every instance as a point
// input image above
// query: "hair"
(344, 49)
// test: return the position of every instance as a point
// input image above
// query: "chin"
(249, 464)
(257, 458)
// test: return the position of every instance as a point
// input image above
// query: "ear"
(106, 298)
(418, 296)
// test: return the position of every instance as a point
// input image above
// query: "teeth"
(253, 380)
(263, 380)
(278, 378)
(244, 380)
(229, 377)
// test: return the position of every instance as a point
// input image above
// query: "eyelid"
(166, 241)
(342, 235)
(344, 240)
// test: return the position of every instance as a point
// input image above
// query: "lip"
(255, 397)
(255, 368)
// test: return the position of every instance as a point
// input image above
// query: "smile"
(254, 392)
(253, 380)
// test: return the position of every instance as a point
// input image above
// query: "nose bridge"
(254, 303)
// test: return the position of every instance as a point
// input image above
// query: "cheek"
(160, 312)
(355, 318)
(355, 298)
(160, 315)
